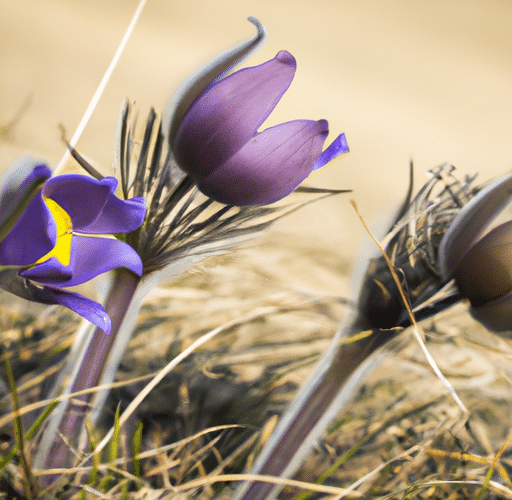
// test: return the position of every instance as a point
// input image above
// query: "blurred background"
(405, 80)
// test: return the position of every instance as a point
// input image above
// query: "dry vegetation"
(401, 437)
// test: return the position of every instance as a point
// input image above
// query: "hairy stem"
(323, 395)
(92, 364)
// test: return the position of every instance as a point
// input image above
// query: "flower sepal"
(92, 311)
(482, 265)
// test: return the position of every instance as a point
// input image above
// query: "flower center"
(62, 249)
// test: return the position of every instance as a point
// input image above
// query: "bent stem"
(324, 394)
(67, 429)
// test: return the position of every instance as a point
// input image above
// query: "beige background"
(428, 81)
(404, 79)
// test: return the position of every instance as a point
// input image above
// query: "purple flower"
(54, 242)
(218, 145)
(481, 264)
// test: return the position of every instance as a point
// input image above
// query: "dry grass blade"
(494, 465)
(191, 485)
(416, 327)
(29, 484)
(158, 378)
(103, 83)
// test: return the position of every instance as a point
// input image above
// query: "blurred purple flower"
(481, 264)
(218, 145)
(54, 242)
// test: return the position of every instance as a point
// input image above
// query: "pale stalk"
(329, 387)
(383, 307)
(101, 87)
(55, 452)
(104, 353)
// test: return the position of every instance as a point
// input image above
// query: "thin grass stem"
(29, 483)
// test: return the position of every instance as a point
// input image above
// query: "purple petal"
(32, 236)
(82, 197)
(89, 258)
(21, 176)
(485, 272)
(93, 206)
(118, 216)
(50, 272)
(40, 172)
(194, 85)
(228, 113)
(11, 281)
(338, 147)
(471, 221)
(495, 315)
(87, 308)
(270, 166)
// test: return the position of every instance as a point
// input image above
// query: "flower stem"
(71, 425)
(323, 395)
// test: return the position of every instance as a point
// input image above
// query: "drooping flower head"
(54, 242)
(442, 243)
(413, 245)
(217, 142)
(208, 139)
(481, 264)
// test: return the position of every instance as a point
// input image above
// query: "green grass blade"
(136, 448)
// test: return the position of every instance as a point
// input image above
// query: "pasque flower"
(54, 242)
(481, 264)
(411, 245)
(210, 133)
(218, 145)
(452, 241)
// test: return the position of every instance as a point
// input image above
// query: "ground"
(427, 82)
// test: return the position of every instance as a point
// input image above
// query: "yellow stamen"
(62, 248)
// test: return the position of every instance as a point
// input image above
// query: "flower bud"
(482, 265)
(218, 145)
